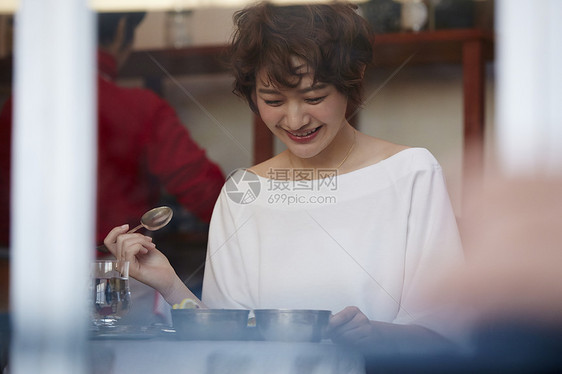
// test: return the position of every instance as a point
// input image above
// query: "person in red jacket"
(143, 148)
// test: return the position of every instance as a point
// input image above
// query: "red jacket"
(142, 148)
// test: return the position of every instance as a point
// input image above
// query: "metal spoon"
(152, 220)
(155, 219)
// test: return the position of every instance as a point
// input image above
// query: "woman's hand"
(351, 326)
(146, 263)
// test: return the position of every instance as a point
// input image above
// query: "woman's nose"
(296, 117)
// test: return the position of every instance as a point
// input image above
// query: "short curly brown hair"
(332, 39)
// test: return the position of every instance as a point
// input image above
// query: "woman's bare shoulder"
(373, 150)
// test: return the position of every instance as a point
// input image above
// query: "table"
(216, 357)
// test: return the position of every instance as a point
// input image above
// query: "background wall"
(421, 106)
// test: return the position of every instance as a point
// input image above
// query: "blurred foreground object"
(513, 240)
(508, 293)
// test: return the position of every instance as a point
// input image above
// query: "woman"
(339, 220)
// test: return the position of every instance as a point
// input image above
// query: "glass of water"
(110, 292)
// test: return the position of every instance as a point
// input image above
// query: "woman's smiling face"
(305, 118)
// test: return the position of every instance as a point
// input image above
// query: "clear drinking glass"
(111, 294)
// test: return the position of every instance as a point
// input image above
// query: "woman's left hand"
(350, 326)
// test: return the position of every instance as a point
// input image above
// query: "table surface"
(217, 357)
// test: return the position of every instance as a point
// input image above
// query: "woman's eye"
(315, 100)
(272, 102)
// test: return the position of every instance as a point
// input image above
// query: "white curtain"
(529, 91)
(53, 185)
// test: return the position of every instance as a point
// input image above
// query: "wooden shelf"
(441, 46)
(185, 61)
(430, 47)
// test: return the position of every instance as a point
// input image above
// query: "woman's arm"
(225, 282)
(433, 246)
